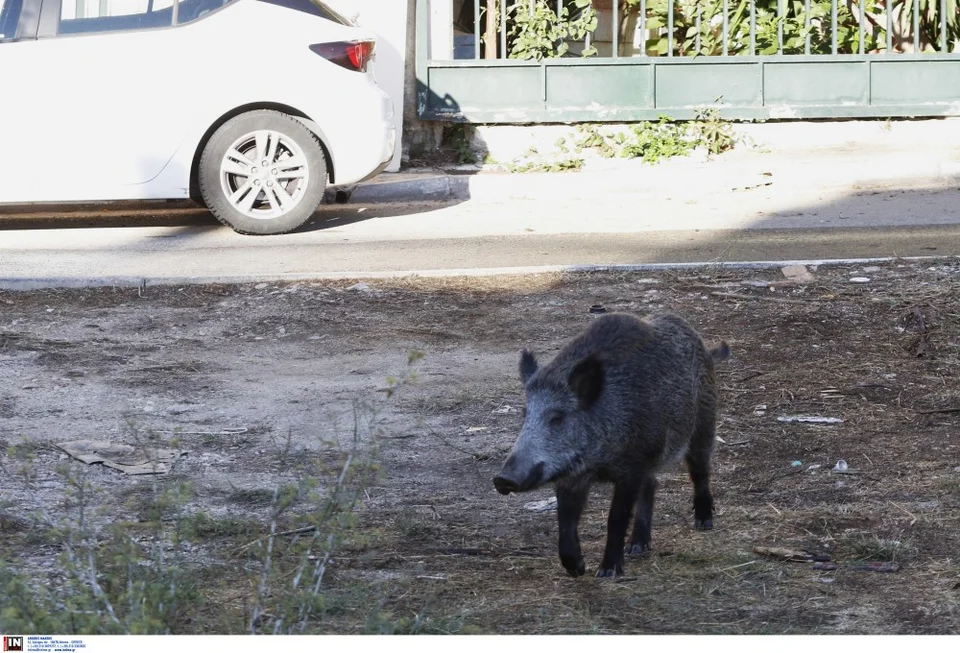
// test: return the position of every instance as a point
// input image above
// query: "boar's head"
(554, 438)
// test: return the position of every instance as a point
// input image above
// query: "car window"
(313, 8)
(191, 10)
(85, 16)
(9, 16)
(330, 14)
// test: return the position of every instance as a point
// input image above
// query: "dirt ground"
(440, 546)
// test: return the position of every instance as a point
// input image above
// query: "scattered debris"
(361, 286)
(826, 566)
(597, 309)
(546, 505)
(123, 457)
(797, 463)
(823, 562)
(760, 409)
(841, 466)
(797, 273)
(814, 466)
(810, 419)
(504, 410)
(476, 429)
(790, 555)
(859, 279)
(879, 567)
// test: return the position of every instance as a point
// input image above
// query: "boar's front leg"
(571, 498)
(640, 540)
(624, 499)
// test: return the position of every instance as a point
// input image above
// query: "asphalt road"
(128, 247)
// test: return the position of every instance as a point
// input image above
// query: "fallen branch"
(761, 298)
(954, 409)
(295, 531)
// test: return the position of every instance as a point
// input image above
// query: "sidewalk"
(800, 158)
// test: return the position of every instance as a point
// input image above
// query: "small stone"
(859, 279)
(260, 286)
(872, 268)
(797, 273)
(361, 287)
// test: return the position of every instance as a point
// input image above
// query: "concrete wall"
(388, 18)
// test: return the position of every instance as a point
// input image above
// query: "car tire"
(258, 199)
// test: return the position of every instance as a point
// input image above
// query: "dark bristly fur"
(621, 401)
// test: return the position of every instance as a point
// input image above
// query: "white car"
(253, 106)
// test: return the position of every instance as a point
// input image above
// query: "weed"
(457, 138)
(560, 165)
(653, 141)
(145, 577)
(876, 549)
(712, 131)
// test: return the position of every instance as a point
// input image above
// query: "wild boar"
(619, 403)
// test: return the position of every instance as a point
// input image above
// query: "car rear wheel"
(263, 172)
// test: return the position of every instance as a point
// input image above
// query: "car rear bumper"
(369, 149)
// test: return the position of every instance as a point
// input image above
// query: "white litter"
(542, 506)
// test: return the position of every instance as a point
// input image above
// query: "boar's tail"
(720, 353)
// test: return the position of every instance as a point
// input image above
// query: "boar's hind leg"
(641, 539)
(698, 463)
(571, 499)
(624, 499)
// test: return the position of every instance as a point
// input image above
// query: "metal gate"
(754, 59)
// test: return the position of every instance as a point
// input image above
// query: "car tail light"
(352, 55)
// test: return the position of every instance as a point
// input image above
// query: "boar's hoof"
(642, 550)
(574, 566)
(703, 524)
(610, 573)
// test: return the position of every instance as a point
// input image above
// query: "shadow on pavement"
(327, 216)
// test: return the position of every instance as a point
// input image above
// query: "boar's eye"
(555, 417)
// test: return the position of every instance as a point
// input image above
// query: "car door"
(95, 110)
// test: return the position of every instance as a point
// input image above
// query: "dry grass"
(443, 553)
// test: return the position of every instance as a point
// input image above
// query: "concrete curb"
(26, 285)
(893, 170)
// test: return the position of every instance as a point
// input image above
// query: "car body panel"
(122, 115)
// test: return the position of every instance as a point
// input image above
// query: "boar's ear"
(586, 380)
(528, 365)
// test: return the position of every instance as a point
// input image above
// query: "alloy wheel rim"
(264, 174)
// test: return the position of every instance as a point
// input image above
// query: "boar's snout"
(513, 478)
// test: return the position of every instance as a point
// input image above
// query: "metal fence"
(754, 59)
(742, 27)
